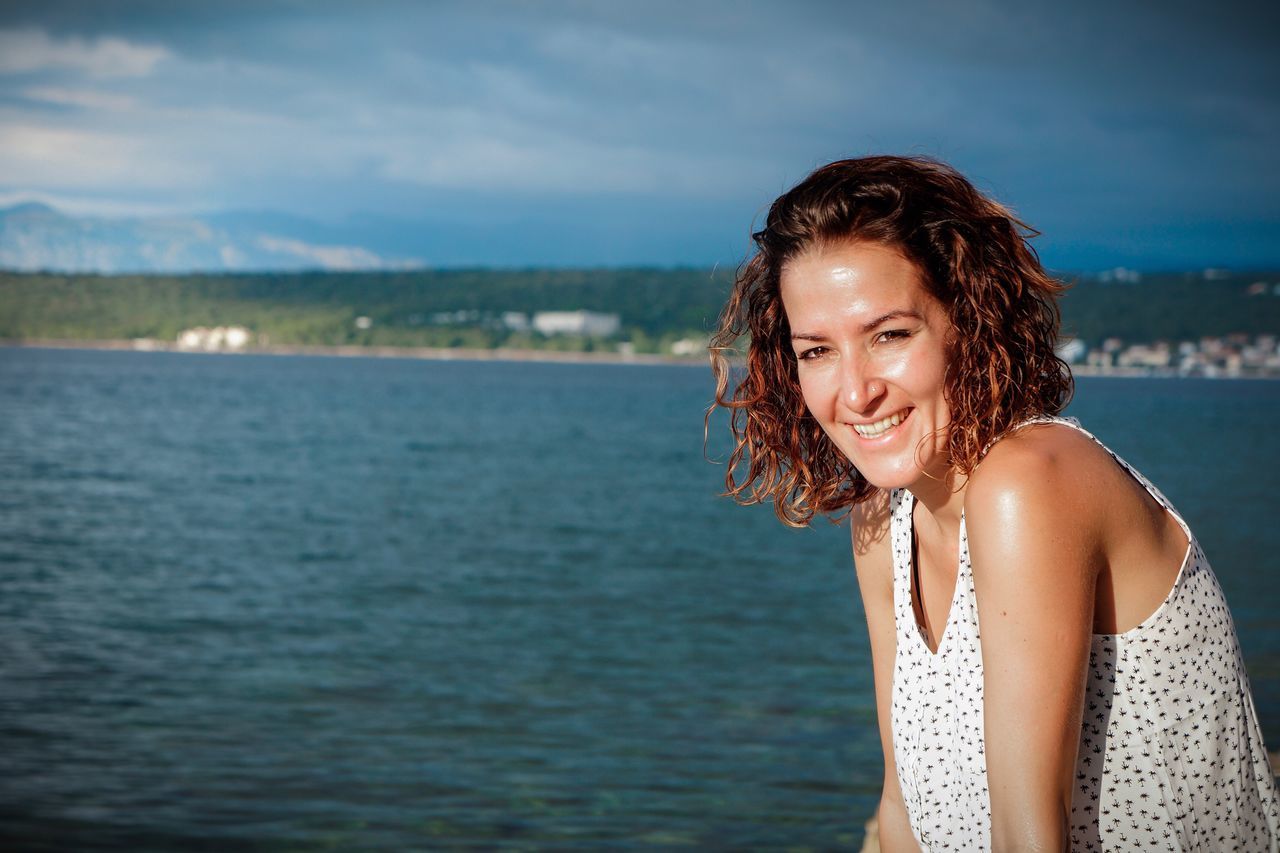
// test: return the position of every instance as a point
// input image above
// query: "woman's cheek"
(817, 398)
(894, 366)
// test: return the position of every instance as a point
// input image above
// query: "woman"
(901, 366)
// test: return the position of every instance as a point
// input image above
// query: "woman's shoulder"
(870, 522)
(1044, 474)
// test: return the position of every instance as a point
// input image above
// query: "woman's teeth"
(879, 427)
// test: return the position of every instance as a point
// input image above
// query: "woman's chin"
(892, 478)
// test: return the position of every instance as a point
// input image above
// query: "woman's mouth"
(880, 427)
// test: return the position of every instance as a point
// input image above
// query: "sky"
(581, 133)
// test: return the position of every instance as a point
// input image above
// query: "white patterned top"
(1171, 754)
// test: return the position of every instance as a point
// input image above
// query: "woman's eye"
(812, 353)
(893, 335)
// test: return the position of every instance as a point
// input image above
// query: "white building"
(686, 347)
(516, 321)
(217, 338)
(1146, 355)
(576, 323)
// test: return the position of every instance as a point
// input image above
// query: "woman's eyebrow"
(898, 314)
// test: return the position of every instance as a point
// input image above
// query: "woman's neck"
(942, 500)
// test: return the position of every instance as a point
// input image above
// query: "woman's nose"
(860, 388)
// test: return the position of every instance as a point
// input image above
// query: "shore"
(426, 353)
(498, 354)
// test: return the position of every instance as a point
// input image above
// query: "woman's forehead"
(855, 272)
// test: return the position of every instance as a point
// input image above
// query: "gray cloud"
(1106, 124)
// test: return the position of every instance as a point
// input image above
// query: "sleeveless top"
(1171, 754)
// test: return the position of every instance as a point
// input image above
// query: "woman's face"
(871, 349)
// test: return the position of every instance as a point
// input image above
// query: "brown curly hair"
(974, 259)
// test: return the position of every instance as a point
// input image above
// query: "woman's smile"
(879, 428)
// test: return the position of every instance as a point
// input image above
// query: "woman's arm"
(874, 563)
(1032, 525)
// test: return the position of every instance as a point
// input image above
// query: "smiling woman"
(901, 366)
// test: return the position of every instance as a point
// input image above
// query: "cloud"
(329, 257)
(31, 50)
(485, 150)
(88, 205)
(1080, 116)
(86, 98)
(72, 159)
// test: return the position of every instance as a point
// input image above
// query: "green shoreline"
(498, 354)
(424, 353)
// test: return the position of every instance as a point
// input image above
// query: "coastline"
(506, 354)
(423, 353)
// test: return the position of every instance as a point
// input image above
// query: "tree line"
(656, 306)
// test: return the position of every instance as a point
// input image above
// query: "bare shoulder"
(869, 524)
(1042, 477)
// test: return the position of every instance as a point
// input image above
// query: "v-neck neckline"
(913, 592)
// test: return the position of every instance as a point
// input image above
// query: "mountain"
(36, 236)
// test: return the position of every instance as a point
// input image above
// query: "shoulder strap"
(901, 503)
(1133, 472)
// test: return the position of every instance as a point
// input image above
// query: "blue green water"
(308, 604)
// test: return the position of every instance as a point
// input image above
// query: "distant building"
(455, 318)
(1099, 360)
(1235, 354)
(576, 323)
(686, 347)
(516, 321)
(212, 340)
(1155, 355)
(1123, 275)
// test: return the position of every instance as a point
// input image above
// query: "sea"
(270, 603)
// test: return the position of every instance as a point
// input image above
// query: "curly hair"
(974, 259)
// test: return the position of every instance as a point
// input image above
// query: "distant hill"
(466, 307)
(477, 233)
(35, 237)
(403, 308)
